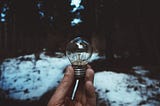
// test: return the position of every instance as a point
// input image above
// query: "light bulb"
(78, 52)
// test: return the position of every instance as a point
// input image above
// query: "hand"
(85, 95)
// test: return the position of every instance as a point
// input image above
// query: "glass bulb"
(78, 52)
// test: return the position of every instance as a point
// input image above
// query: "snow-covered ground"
(26, 77)
(119, 89)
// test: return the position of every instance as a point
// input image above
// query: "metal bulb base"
(79, 71)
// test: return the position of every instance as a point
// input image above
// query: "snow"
(76, 8)
(27, 77)
(140, 71)
(75, 21)
(114, 88)
(123, 89)
(77, 5)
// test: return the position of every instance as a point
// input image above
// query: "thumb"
(63, 89)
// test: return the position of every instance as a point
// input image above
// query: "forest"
(124, 35)
(125, 31)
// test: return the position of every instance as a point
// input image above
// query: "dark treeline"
(126, 31)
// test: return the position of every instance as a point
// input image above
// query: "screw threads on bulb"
(79, 71)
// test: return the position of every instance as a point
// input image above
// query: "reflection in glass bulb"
(78, 52)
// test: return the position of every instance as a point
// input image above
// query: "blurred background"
(127, 32)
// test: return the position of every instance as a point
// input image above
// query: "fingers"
(86, 89)
(89, 83)
(90, 90)
(88, 66)
(62, 90)
(87, 94)
(82, 87)
(89, 75)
